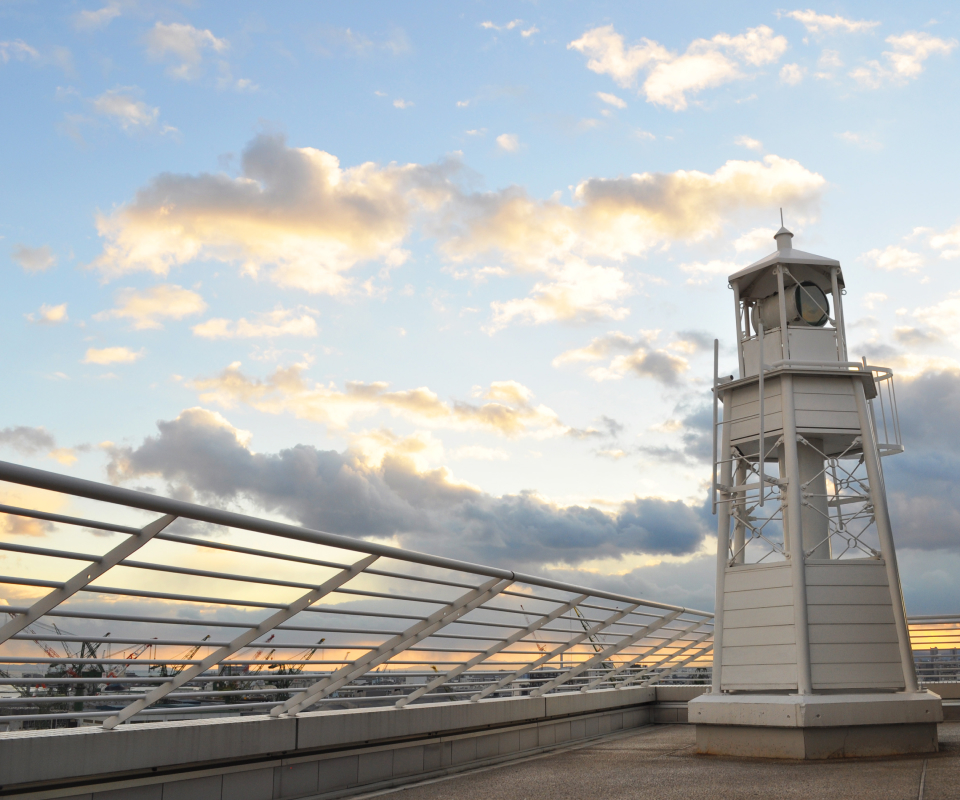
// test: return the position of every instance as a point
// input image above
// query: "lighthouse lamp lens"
(812, 304)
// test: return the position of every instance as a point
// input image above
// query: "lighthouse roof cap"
(758, 280)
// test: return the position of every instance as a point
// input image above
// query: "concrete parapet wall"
(948, 691)
(321, 754)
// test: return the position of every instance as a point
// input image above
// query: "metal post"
(736, 303)
(593, 631)
(604, 654)
(838, 316)
(739, 526)
(713, 437)
(762, 451)
(792, 516)
(784, 339)
(878, 498)
(481, 657)
(241, 641)
(723, 540)
(83, 578)
(439, 619)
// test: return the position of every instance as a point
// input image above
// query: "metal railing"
(936, 648)
(208, 612)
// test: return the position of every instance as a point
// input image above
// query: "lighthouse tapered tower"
(812, 655)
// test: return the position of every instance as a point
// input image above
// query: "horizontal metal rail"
(266, 616)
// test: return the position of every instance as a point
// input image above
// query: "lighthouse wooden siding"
(825, 406)
(853, 639)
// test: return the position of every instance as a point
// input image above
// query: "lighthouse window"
(812, 304)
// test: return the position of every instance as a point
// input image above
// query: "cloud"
(825, 24)
(111, 355)
(509, 26)
(872, 298)
(130, 113)
(579, 292)
(17, 50)
(626, 355)
(49, 315)
(904, 61)
(705, 271)
(479, 453)
(27, 441)
(508, 142)
(526, 34)
(94, 20)
(11, 525)
(183, 44)
(943, 317)
(792, 74)
(146, 308)
(268, 325)
(509, 410)
(757, 239)
(346, 40)
(401, 103)
(612, 99)
(706, 63)
(859, 140)
(892, 258)
(298, 218)
(611, 220)
(200, 455)
(690, 430)
(749, 143)
(34, 259)
(948, 242)
(921, 482)
(829, 59)
(31, 442)
(293, 211)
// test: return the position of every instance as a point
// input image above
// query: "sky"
(448, 275)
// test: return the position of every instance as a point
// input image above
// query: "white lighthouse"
(812, 655)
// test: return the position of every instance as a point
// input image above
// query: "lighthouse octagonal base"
(816, 726)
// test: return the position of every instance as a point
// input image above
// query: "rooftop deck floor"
(659, 762)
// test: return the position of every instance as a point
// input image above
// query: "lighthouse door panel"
(772, 351)
(759, 638)
(826, 403)
(813, 344)
(853, 639)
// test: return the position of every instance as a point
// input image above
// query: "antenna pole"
(781, 217)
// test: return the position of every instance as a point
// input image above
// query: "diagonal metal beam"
(603, 655)
(79, 581)
(373, 658)
(653, 666)
(643, 654)
(675, 667)
(556, 652)
(534, 626)
(241, 641)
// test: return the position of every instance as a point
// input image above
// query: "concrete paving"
(660, 762)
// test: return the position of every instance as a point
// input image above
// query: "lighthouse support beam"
(795, 525)
(878, 498)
